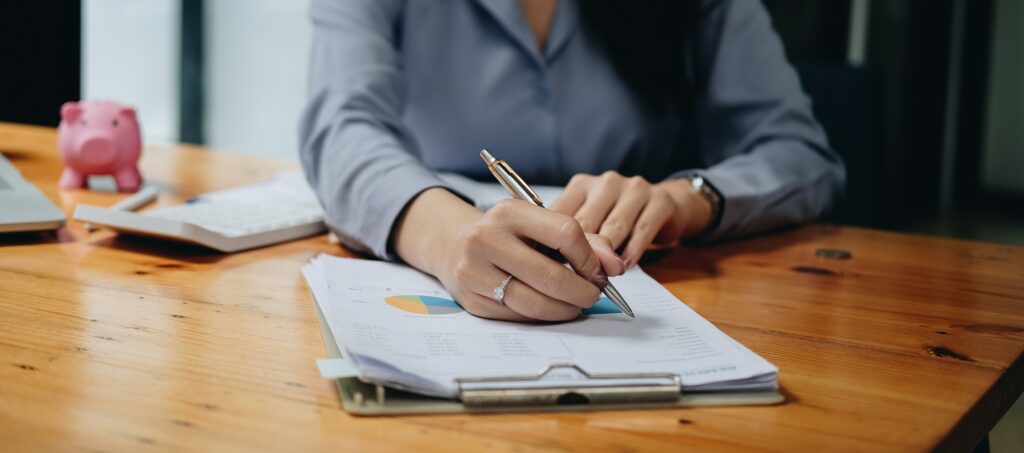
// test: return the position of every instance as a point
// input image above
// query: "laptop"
(22, 206)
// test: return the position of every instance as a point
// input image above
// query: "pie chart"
(424, 305)
(604, 306)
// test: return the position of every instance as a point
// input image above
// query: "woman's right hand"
(472, 253)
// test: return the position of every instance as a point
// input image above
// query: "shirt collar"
(509, 16)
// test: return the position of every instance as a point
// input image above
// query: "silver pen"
(142, 197)
(519, 189)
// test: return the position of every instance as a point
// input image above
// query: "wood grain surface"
(112, 343)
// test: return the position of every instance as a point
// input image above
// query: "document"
(401, 328)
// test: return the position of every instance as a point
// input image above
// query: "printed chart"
(424, 305)
(604, 306)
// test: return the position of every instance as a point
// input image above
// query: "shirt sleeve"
(768, 157)
(357, 155)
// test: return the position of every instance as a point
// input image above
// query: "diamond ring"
(499, 293)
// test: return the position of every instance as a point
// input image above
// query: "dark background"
(40, 57)
(907, 65)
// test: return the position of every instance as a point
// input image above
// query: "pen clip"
(510, 179)
(532, 196)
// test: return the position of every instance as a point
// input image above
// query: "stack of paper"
(401, 328)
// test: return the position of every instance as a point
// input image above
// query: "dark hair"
(647, 42)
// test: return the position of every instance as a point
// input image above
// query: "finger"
(554, 230)
(498, 247)
(543, 274)
(599, 202)
(473, 277)
(485, 307)
(621, 219)
(573, 196)
(529, 302)
(610, 261)
(654, 215)
(673, 229)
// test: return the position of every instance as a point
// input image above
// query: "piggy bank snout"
(96, 150)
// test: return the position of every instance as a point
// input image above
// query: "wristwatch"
(712, 197)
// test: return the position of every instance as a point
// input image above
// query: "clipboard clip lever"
(562, 384)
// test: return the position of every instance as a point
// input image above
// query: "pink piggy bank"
(99, 138)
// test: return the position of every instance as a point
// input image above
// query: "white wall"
(1003, 158)
(256, 58)
(130, 55)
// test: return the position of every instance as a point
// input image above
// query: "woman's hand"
(634, 213)
(472, 253)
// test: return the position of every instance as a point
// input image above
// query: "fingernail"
(626, 260)
(600, 277)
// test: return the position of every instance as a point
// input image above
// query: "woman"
(666, 121)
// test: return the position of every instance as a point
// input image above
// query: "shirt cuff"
(388, 196)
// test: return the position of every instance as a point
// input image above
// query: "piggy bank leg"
(128, 179)
(71, 179)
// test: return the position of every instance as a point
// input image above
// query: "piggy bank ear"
(70, 111)
(127, 112)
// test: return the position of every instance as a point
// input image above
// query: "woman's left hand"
(634, 213)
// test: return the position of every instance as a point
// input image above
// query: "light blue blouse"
(403, 89)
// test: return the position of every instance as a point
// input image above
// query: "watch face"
(697, 182)
(705, 191)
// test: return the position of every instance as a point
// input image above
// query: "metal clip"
(551, 387)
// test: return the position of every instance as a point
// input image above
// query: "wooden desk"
(111, 343)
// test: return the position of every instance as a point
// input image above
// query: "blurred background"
(923, 98)
(920, 96)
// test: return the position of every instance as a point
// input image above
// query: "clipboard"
(486, 394)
